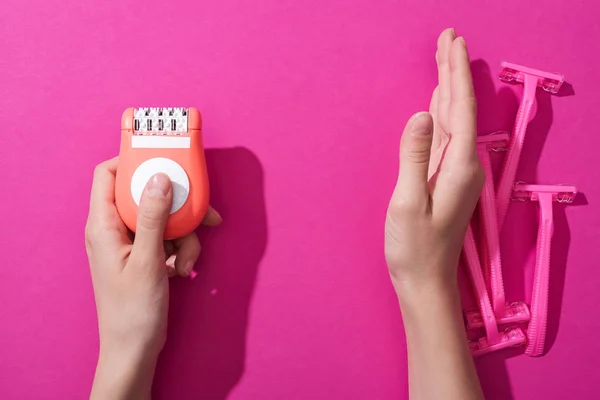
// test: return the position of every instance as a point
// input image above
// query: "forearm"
(123, 375)
(439, 362)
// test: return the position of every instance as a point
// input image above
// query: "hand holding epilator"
(169, 141)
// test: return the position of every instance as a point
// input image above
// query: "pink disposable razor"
(490, 247)
(545, 195)
(531, 79)
(493, 340)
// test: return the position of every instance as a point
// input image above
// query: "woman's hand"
(440, 177)
(438, 186)
(130, 280)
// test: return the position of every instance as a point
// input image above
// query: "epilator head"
(167, 140)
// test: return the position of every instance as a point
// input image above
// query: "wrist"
(426, 287)
(124, 373)
(128, 356)
(431, 296)
(117, 347)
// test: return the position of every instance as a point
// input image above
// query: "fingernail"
(158, 185)
(462, 40)
(453, 32)
(419, 126)
(193, 274)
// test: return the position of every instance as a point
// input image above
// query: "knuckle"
(419, 155)
(476, 174)
(90, 231)
(194, 245)
(399, 207)
(89, 241)
(93, 233)
(471, 175)
(99, 170)
(190, 248)
(393, 257)
(406, 208)
(419, 151)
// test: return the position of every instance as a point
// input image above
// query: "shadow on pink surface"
(497, 111)
(205, 351)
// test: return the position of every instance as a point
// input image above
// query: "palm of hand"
(440, 175)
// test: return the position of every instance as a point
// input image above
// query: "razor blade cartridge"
(514, 313)
(560, 193)
(493, 142)
(550, 82)
(513, 337)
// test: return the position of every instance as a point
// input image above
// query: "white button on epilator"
(179, 180)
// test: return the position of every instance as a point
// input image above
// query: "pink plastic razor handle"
(481, 294)
(514, 313)
(490, 246)
(545, 195)
(531, 79)
(494, 340)
(513, 337)
(491, 259)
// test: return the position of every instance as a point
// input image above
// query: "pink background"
(303, 103)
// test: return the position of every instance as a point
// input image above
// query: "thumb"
(155, 207)
(415, 152)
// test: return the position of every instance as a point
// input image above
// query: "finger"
(433, 110)
(170, 265)
(433, 103)
(102, 196)
(212, 218)
(153, 212)
(463, 106)
(187, 254)
(440, 138)
(460, 177)
(415, 151)
(443, 61)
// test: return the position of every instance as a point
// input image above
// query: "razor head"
(512, 337)
(514, 313)
(160, 121)
(560, 193)
(497, 141)
(548, 81)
